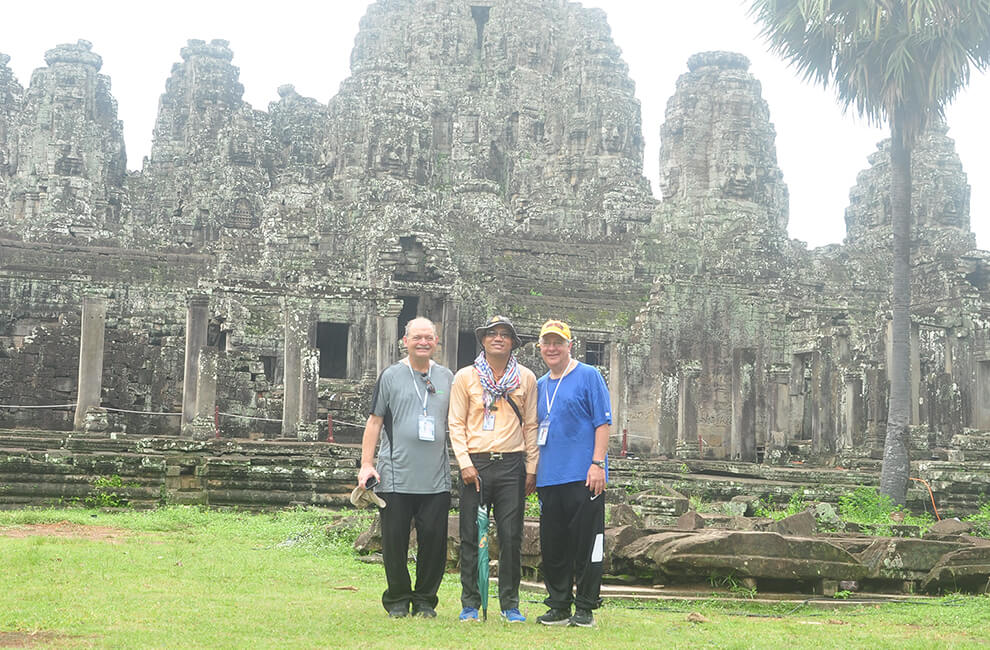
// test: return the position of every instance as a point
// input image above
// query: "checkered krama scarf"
(494, 390)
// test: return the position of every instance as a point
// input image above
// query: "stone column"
(743, 432)
(824, 415)
(204, 424)
(617, 392)
(687, 412)
(450, 331)
(91, 336)
(296, 329)
(852, 411)
(915, 374)
(197, 321)
(309, 393)
(779, 419)
(981, 401)
(388, 334)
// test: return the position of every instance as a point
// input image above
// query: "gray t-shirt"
(408, 464)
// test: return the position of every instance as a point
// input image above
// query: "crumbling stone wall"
(484, 157)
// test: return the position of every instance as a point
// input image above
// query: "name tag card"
(427, 428)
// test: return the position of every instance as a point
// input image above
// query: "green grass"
(187, 577)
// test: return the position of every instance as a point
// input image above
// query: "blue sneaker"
(469, 614)
(513, 616)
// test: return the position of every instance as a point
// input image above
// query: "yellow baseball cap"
(558, 327)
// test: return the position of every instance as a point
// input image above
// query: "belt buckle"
(495, 455)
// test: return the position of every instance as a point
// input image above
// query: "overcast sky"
(308, 44)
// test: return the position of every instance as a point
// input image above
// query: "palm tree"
(899, 62)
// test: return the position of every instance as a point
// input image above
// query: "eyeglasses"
(498, 334)
(554, 344)
(430, 388)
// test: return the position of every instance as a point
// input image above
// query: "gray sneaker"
(583, 618)
(555, 616)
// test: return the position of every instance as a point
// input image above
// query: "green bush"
(981, 520)
(870, 509)
(105, 493)
(769, 510)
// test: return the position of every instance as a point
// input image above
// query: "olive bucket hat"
(495, 321)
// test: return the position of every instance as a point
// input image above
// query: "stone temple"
(485, 156)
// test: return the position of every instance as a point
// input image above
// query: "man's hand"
(530, 484)
(366, 471)
(469, 475)
(596, 479)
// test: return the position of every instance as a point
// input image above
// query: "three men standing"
(493, 433)
(510, 435)
(410, 405)
(574, 417)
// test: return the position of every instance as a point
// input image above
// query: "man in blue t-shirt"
(574, 413)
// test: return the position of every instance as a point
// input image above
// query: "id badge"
(544, 432)
(489, 423)
(427, 429)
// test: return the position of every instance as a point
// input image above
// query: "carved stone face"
(740, 179)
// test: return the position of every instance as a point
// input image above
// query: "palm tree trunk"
(896, 463)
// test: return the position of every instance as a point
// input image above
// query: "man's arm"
(369, 442)
(457, 426)
(596, 474)
(531, 429)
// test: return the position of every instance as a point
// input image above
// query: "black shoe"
(583, 618)
(555, 616)
(424, 611)
(399, 612)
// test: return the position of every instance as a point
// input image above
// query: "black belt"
(496, 455)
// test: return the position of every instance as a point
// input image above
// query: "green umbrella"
(483, 520)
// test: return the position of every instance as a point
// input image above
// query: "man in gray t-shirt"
(410, 406)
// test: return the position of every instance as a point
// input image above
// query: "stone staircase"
(49, 468)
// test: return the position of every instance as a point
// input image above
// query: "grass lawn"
(186, 577)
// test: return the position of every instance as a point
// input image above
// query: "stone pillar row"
(200, 376)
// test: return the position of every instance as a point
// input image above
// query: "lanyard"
(559, 382)
(426, 393)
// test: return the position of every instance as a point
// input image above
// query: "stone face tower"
(67, 157)
(204, 186)
(11, 94)
(718, 143)
(528, 102)
(940, 193)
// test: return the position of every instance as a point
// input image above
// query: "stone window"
(268, 363)
(331, 339)
(480, 15)
(467, 348)
(410, 308)
(594, 353)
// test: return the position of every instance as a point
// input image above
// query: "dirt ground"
(29, 639)
(66, 529)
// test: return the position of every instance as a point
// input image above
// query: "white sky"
(308, 44)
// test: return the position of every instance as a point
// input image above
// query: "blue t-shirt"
(580, 406)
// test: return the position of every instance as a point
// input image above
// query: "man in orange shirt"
(492, 421)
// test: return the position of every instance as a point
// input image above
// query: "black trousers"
(572, 541)
(503, 486)
(429, 511)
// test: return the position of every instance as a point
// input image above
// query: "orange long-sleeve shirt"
(467, 414)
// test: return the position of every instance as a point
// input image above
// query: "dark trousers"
(503, 486)
(572, 541)
(429, 511)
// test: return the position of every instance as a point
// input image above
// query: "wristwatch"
(600, 463)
